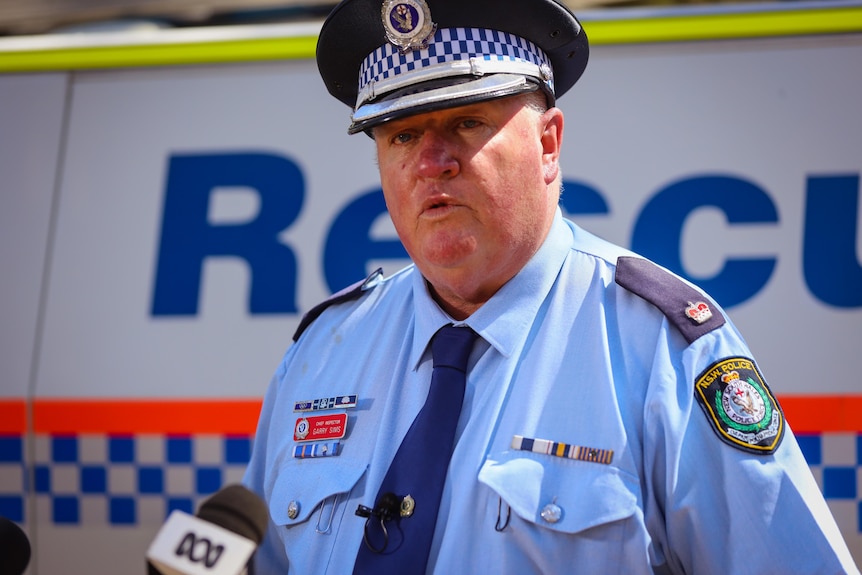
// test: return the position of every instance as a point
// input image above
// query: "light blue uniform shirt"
(566, 355)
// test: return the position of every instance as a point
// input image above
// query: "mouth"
(438, 205)
(437, 209)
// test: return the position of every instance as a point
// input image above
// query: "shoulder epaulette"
(685, 307)
(350, 292)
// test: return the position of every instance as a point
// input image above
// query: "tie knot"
(451, 347)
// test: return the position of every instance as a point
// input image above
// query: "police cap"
(387, 59)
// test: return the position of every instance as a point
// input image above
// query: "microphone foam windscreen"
(238, 510)
(14, 548)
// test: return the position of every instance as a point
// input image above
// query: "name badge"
(319, 427)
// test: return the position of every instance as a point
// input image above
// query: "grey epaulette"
(686, 308)
(350, 292)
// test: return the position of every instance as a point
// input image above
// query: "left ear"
(552, 140)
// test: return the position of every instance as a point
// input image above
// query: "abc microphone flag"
(219, 540)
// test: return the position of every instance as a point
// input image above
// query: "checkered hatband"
(450, 45)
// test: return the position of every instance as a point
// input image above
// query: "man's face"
(470, 191)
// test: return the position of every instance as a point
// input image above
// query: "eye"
(402, 138)
(470, 123)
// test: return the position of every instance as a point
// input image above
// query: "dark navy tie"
(399, 530)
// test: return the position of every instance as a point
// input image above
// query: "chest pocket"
(303, 487)
(574, 495)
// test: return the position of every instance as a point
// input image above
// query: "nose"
(437, 157)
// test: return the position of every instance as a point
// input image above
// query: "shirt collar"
(499, 322)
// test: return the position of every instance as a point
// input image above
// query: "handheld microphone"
(219, 540)
(14, 548)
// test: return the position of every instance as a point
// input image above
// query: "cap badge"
(407, 23)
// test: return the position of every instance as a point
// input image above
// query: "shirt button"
(293, 509)
(551, 513)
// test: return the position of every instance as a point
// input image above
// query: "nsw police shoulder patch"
(740, 406)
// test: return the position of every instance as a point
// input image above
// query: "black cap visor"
(439, 95)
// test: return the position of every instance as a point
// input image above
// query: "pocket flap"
(301, 486)
(587, 494)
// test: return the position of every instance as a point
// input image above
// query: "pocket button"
(293, 509)
(551, 513)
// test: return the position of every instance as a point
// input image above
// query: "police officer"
(611, 419)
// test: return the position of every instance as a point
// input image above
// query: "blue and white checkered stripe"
(95, 479)
(449, 45)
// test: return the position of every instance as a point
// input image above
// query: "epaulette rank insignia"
(740, 406)
(350, 292)
(685, 307)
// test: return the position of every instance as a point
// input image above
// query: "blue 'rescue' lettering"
(831, 267)
(829, 259)
(658, 232)
(188, 238)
